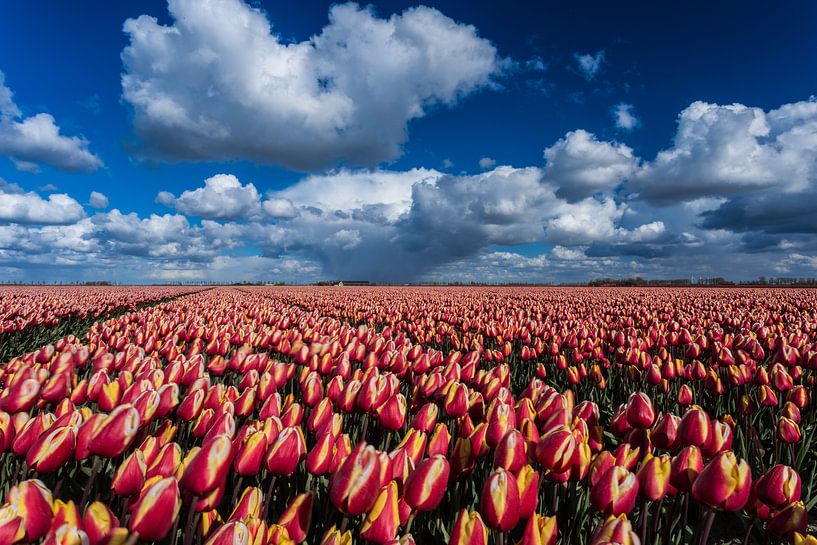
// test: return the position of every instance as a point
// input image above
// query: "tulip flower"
(540, 530)
(468, 530)
(232, 533)
(115, 433)
(427, 484)
(354, 486)
(209, 467)
(392, 414)
(653, 477)
(250, 454)
(779, 487)
(787, 431)
(156, 510)
(793, 518)
(439, 441)
(527, 481)
(99, 523)
(382, 520)
(615, 492)
(499, 501)
(12, 528)
(333, 536)
(286, 452)
(694, 428)
(800, 539)
(685, 467)
(52, 449)
(616, 530)
(724, 483)
(556, 449)
(248, 505)
(640, 412)
(129, 477)
(32, 502)
(298, 516)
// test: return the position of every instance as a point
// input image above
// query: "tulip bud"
(383, 519)
(52, 449)
(616, 530)
(427, 484)
(787, 431)
(556, 449)
(640, 412)
(286, 452)
(248, 506)
(779, 487)
(12, 529)
(789, 520)
(232, 533)
(298, 516)
(354, 486)
(156, 510)
(439, 440)
(32, 502)
(615, 492)
(129, 477)
(115, 433)
(685, 467)
(499, 502)
(250, 454)
(724, 483)
(333, 536)
(694, 428)
(99, 522)
(540, 530)
(209, 467)
(527, 481)
(510, 452)
(653, 477)
(469, 529)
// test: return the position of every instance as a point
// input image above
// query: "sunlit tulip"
(468, 530)
(355, 485)
(792, 518)
(52, 449)
(156, 510)
(653, 477)
(779, 486)
(231, 533)
(724, 483)
(383, 519)
(616, 530)
(615, 492)
(333, 536)
(115, 433)
(787, 430)
(298, 516)
(98, 523)
(640, 412)
(540, 530)
(527, 481)
(250, 454)
(685, 467)
(32, 501)
(129, 477)
(499, 501)
(286, 452)
(209, 467)
(248, 505)
(426, 485)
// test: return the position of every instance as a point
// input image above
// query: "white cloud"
(487, 163)
(580, 165)
(97, 200)
(17, 206)
(223, 197)
(36, 140)
(722, 151)
(624, 116)
(279, 209)
(589, 64)
(217, 84)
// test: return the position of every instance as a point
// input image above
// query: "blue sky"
(225, 140)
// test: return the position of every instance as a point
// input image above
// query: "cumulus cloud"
(624, 116)
(723, 151)
(223, 197)
(217, 84)
(486, 163)
(588, 64)
(97, 200)
(37, 140)
(580, 165)
(18, 206)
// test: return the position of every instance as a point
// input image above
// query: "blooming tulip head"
(640, 412)
(468, 530)
(156, 509)
(499, 502)
(779, 487)
(724, 483)
(615, 491)
(426, 485)
(356, 484)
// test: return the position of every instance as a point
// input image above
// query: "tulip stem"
(189, 527)
(748, 532)
(645, 515)
(710, 518)
(91, 478)
(268, 497)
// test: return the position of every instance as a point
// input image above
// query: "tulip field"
(375, 415)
